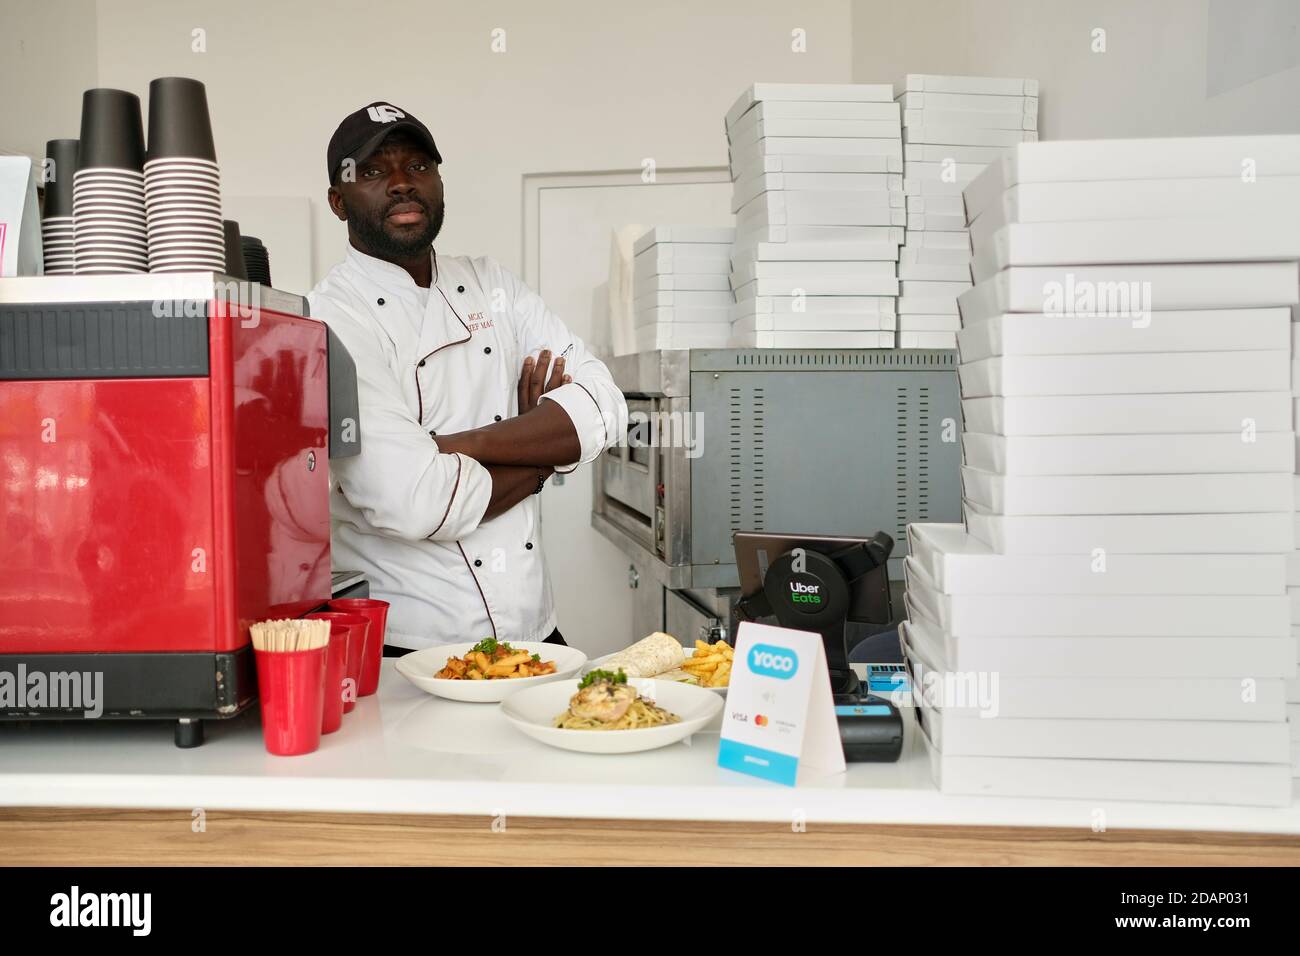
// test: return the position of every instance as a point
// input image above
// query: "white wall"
(48, 56)
(583, 84)
(1171, 67)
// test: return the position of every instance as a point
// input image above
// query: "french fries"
(710, 664)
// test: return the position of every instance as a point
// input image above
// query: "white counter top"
(401, 751)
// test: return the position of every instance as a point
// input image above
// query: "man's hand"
(533, 383)
(542, 434)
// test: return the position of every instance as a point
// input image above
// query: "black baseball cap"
(361, 132)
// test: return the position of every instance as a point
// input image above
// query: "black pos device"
(821, 583)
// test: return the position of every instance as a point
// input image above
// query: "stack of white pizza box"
(818, 197)
(952, 127)
(1118, 587)
(1293, 561)
(681, 297)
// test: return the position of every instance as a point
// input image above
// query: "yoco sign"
(772, 661)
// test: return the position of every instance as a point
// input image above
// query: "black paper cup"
(112, 134)
(59, 172)
(179, 123)
(234, 250)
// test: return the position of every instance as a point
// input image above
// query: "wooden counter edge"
(43, 836)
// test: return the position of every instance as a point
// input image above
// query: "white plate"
(535, 709)
(419, 667)
(599, 663)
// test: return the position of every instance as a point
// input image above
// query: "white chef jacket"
(410, 516)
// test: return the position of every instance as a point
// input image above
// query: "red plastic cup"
(376, 612)
(291, 685)
(336, 663)
(358, 630)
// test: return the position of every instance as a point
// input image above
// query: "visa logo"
(772, 661)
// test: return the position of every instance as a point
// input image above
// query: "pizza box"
(914, 322)
(653, 337)
(815, 163)
(1227, 453)
(1186, 413)
(954, 135)
(746, 270)
(930, 305)
(756, 232)
(675, 315)
(1230, 157)
(812, 340)
(1223, 617)
(1205, 782)
(817, 109)
(1233, 742)
(1117, 289)
(937, 205)
(722, 235)
(824, 208)
(676, 264)
(890, 148)
(696, 299)
(1128, 374)
(940, 240)
(753, 126)
(1261, 533)
(671, 282)
(932, 188)
(1126, 199)
(960, 563)
(817, 251)
(926, 340)
(935, 223)
(743, 190)
(1108, 697)
(1144, 241)
(803, 322)
(926, 255)
(944, 171)
(936, 118)
(982, 85)
(1126, 494)
(815, 305)
(826, 285)
(916, 151)
(952, 271)
(1039, 656)
(1202, 330)
(969, 102)
(810, 93)
(933, 287)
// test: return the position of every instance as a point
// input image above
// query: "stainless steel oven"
(806, 441)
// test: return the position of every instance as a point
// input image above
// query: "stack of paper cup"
(182, 183)
(1111, 622)
(679, 287)
(819, 214)
(108, 211)
(952, 126)
(57, 231)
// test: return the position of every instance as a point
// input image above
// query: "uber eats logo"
(809, 595)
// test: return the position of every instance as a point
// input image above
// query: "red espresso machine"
(164, 483)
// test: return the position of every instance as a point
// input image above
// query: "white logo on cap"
(383, 113)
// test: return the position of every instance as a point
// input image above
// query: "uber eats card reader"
(821, 583)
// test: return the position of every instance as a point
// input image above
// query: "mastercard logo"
(760, 720)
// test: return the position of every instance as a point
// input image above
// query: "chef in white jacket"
(472, 393)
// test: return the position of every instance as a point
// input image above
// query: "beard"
(384, 243)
